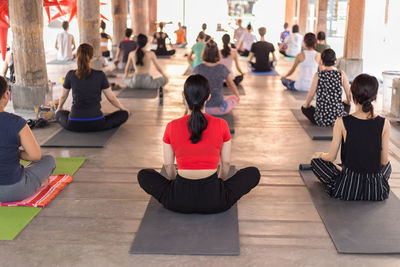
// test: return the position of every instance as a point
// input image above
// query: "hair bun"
(367, 106)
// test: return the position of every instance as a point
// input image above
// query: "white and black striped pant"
(351, 185)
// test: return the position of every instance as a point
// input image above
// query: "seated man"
(159, 38)
(125, 47)
(321, 42)
(291, 47)
(261, 50)
(65, 44)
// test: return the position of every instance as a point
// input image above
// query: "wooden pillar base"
(351, 66)
(97, 63)
(27, 98)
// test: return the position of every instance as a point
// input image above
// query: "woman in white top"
(246, 41)
(308, 61)
(291, 46)
(229, 55)
(65, 44)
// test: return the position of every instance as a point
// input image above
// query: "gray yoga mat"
(230, 119)
(165, 232)
(59, 62)
(138, 93)
(298, 95)
(227, 91)
(362, 227)
(64, 138)
(315, 132)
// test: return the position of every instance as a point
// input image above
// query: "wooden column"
(119, 17)
(26, 19)
(89, 24)
(140, 16)
(352, 54)
(322, 16)
(152, 16)
(290, 12)
(303, 16)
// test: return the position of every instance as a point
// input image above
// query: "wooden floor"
(94, 220)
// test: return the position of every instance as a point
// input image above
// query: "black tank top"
(362, 150)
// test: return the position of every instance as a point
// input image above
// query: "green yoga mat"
(14, 219)
(64, 165)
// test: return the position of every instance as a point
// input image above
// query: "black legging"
(207, 195)
(108, 122)
(310, 111)
(164, 52)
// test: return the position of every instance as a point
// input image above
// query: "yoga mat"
(227, 91)
(14, 219)
(298, 95)
(64, 165)
(315, 132)
(59, 62)
(163, 56)
(64, 138)
(266, 73)
(165, 232)
(367, 227)
(138, 93)
(230, 119)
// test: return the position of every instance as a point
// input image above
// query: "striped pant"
(351, 185)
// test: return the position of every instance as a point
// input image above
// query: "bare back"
(148, 57)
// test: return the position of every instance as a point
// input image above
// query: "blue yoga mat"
(266, 73)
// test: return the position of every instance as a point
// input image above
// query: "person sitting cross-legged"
(327, 85)
(87, 85)
(198, 142)
(17, 142)
(364, 141)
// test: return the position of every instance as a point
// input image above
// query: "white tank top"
(294, 42)
(307, 70)
(64, 41)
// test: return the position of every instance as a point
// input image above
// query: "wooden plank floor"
(94, 220)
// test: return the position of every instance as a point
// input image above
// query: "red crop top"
(201, 156)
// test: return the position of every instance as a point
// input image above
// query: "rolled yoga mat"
(315, 132)
(362, 227)
(138, 93)
(165, 232)
(227, 91)
(64, 138)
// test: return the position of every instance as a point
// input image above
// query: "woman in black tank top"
(159, 38)
(364, 141)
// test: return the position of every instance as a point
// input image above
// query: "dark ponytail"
(364, 89)
(83, 57)
(226, 51)
(142, 41)
(196, 91)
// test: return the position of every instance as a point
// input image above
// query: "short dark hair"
(204, 26)
(321, 36)
(249, 26)
(128, 32)
(201, 35)
(262, 31)
(161, 25)
(3, 86)
(310, 40)
(328, 57)
(65, 25)
(211, 52)
(295, 28)
(286, 25)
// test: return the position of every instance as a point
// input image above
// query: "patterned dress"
(329, 98)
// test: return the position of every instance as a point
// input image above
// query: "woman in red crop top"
(199, 142)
